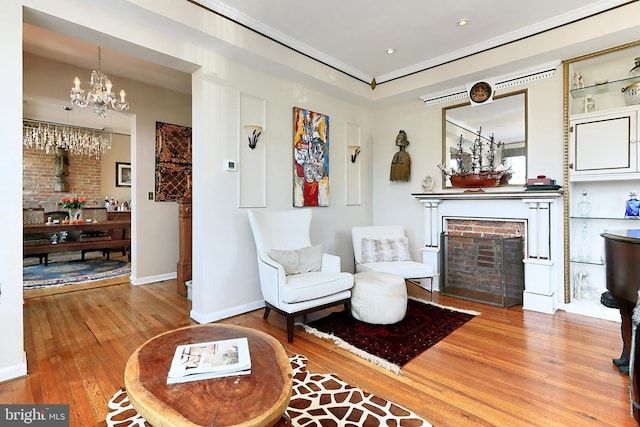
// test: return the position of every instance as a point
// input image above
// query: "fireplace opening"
(483, 269)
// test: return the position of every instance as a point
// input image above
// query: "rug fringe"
(446, 307)
(385, 364)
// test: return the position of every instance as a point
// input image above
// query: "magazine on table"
(214, 359)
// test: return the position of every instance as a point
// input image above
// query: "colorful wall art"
(311, 158)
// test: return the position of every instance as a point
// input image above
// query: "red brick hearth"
(483, 260)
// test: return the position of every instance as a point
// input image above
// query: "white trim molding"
(501, 82)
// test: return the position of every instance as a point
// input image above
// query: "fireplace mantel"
(493, 195)
(539, 210)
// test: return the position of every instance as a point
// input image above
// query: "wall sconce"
(354, 151)
(253, 133)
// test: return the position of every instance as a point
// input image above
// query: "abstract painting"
(173, 162)
(310, 158)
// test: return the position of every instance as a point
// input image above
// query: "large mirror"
(487, 137)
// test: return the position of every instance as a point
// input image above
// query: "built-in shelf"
(612, 86)
(607, 218)
(620, 176)
(586, 260)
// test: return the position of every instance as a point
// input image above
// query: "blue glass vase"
(633, 206)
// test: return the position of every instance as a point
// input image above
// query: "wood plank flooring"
(506, 367)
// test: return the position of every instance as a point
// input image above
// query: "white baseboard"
(152, 279)
(15, 371)
(230, 312)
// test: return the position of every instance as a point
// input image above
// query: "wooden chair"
(98, 215)
(35, 216)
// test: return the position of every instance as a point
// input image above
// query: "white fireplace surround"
(539, 211)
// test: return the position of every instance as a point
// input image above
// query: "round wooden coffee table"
(257, 399)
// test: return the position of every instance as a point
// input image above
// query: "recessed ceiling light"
(391, 50)
(462, 22)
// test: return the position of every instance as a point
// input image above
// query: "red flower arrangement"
(72, 202)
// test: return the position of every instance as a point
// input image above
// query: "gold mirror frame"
(566, 196)
(486, 132)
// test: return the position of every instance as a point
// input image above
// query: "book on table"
(206, 360)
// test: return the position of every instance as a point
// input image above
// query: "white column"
(540, 282)
(431, 223)
(431, 249)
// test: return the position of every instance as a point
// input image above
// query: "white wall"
(225, 280)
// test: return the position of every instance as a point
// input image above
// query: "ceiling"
(350, 36)
(353, 36)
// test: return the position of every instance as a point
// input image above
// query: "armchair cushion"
(303, 260)
(314, 285)
(385, 250)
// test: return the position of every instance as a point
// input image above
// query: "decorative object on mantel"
(79, 141)
(481, 167)
(100, 95)
(541, 183)
(401, 163)
(427, 184)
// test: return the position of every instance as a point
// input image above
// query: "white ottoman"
(378, 298)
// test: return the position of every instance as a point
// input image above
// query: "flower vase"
(74, 213)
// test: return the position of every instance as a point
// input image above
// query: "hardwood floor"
(506, 367)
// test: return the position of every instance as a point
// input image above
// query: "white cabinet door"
(604, 143)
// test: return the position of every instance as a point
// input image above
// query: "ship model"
(479, 164)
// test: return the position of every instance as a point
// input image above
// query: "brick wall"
(83, 180)
(484, 228)
(483, 260)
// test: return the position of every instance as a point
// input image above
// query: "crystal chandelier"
(76, 140)
(100, 95)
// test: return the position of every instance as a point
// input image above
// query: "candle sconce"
(253, 134)
(354, 151)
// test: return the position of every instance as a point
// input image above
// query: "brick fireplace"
(535, 217)
(483, 260)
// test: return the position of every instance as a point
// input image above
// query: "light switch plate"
(229, 165)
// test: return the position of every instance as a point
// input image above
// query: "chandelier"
(100, 95)
(76, 140)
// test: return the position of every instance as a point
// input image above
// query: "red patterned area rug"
(392, 346)
(316, 400)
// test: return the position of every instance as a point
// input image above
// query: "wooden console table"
(117, 230)
(257, 399)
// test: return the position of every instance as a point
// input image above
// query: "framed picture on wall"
(123, 174)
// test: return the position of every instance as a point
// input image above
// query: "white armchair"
(303, 279)
(385, 248)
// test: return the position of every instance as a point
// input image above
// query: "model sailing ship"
(481, 165)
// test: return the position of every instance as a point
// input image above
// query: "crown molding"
(504, 81)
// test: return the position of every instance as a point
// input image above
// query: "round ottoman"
(378, 298)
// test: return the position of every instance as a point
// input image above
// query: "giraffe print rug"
(316, 400)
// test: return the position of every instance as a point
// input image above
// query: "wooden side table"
(258, 399)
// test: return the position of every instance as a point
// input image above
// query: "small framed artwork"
(123, 174)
